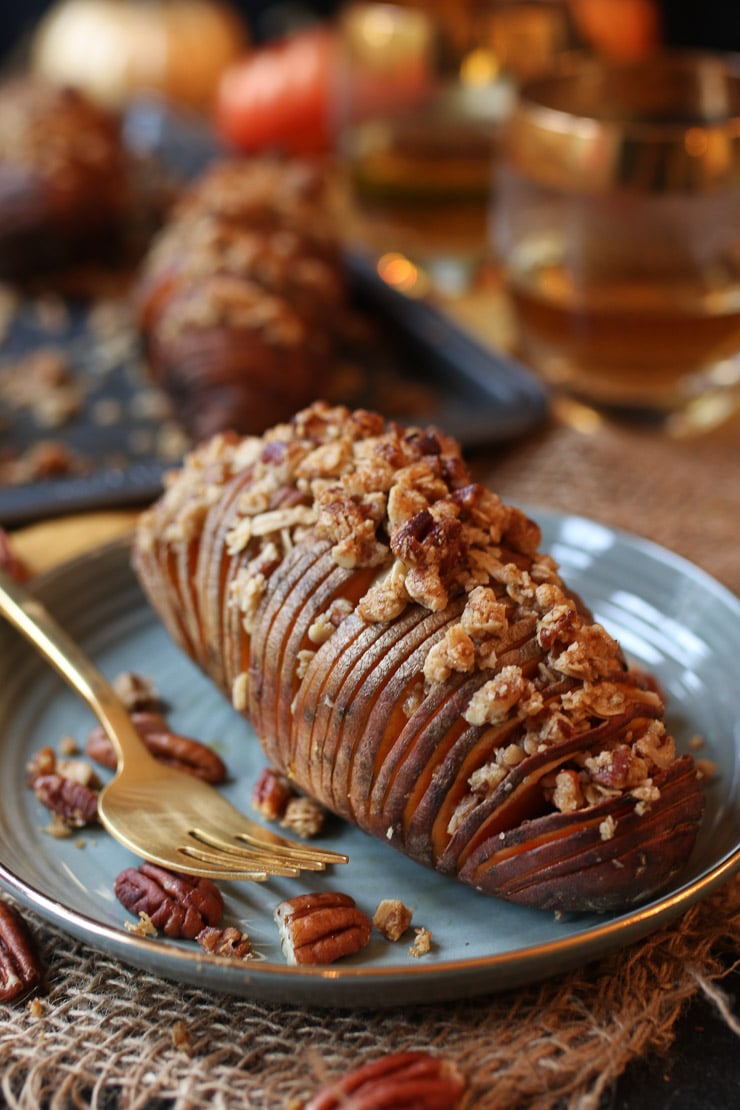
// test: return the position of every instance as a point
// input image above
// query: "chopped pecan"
(392, 918)
(42, 762)
(137, 693)
(228, 942)
(179, 905)
(426, 442)
(320, 928)
(181, 1037)
(9, 561)
(20, 967)
(271, 794)
(74, 802)
(400, 1079)
(424, 541)
(78, 770)
(167, 746)
(620, 767)
(303, 816)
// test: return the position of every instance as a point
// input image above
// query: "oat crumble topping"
(144, 927)
(392, 918)
(401, 503)
(422, 944)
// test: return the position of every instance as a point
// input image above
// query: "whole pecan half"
(72, 801)
(320, 928)
(167, 746)
(398, 1080)
(20, 967)
(179, 905)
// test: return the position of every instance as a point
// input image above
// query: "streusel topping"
(401, 501)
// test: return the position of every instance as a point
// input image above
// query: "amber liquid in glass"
(424, 184)
(625, 341)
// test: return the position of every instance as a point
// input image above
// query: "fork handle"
(34, 621)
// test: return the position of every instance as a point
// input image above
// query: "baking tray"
(418, 366)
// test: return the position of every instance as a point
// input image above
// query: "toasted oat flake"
(240, 691)
(57, 828)
(303, 658)
(144, 927)
(68, 746)
(422, 944)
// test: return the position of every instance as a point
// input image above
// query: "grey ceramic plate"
(668, 615)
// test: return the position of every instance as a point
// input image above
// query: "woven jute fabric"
(108, 1037)
(681, 493)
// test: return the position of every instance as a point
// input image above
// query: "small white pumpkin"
(116, 49)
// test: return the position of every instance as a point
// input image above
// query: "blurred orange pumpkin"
(625, 30)
(278, 97)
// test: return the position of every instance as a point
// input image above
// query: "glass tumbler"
(423, 89)
(617, 223)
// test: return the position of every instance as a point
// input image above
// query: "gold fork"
(163, 815)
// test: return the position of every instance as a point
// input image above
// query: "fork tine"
(228, 825)
(277, 859)
(148, 809)
(178, 861)
(300, 853)
(261, 867)
(223, 824)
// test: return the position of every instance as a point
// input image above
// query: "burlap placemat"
(108, 1037)
(682, 493)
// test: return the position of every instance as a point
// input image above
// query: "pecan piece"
(320, 928)
(170, 748)
(179, 905)
(392, 918)
(400, 1079)
(75, 803)
(137, 693)
(303, 816)
(228, 942)
(10, 562)
(20, 968)
(42, 762)
(271, 793)
(425, 542)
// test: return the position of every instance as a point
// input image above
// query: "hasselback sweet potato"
(412, 660)
(239, 299)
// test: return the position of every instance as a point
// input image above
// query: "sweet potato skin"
(467, 711)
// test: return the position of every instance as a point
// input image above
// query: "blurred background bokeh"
(714, 24)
